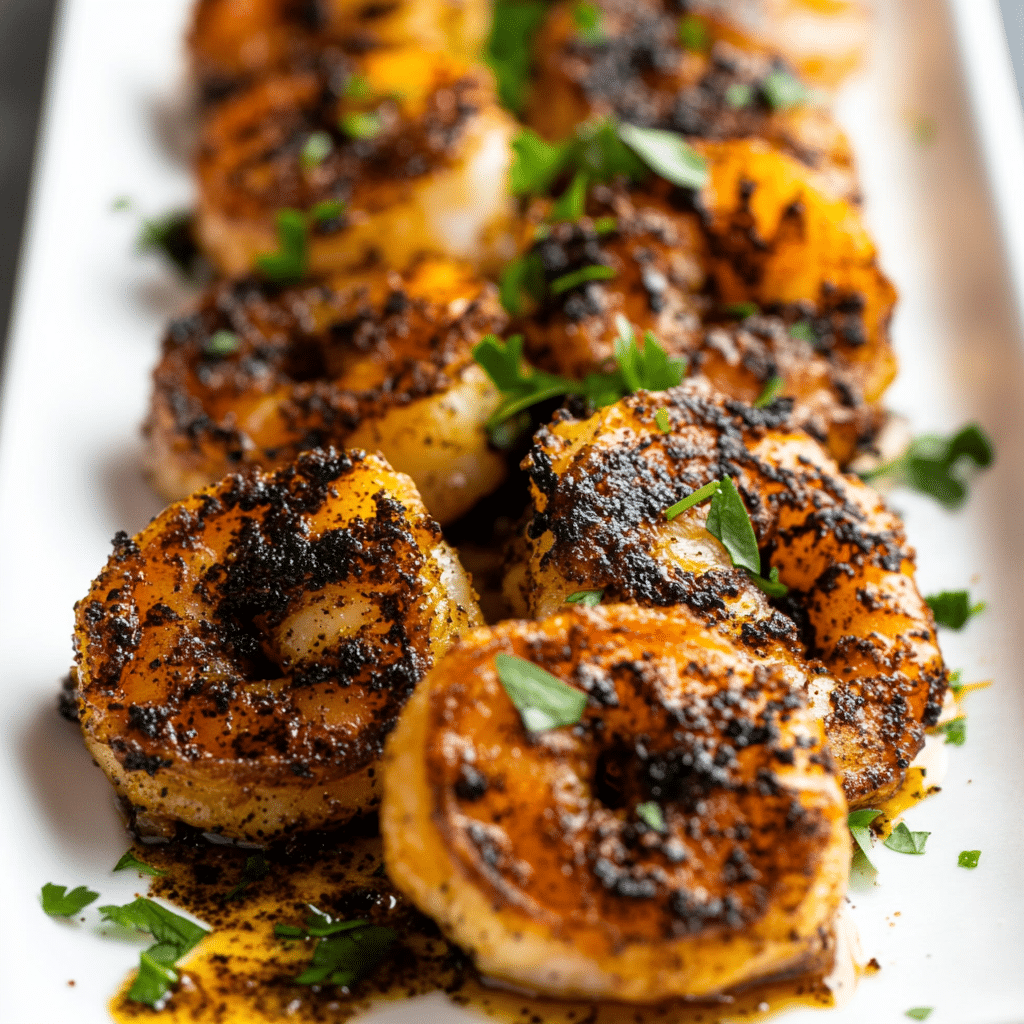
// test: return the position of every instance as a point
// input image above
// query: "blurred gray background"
(25, 29)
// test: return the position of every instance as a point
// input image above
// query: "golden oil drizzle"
(242, 974)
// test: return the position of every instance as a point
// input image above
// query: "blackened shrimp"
(688, 835)
(232, 41)
(242, 659)
(758, 275)
(379, 361)
(395, 153)
(601, 487)
(636, 67)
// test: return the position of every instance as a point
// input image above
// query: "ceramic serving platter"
(938, 134)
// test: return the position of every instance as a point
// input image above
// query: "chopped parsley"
(171, 235)
(920, 1012)
(667, 154)
(542, 700)
(968, 859)
(606, 225)
(346, 950)
(955, 731)
(594, 272)
(661, 418)
(770, 586)
(956, 681)
(739, 95)
(361, 124)
(535, 164)
(291, 261)
(572, 204)
(859, 823)
(221, 343)
(58, 902)
(317, 148)
(694, 498)
(936, 465)
(803, 331)
(782, 91)
(651, 814)
(742, 310)
(175, 936)
(587, 19)
(693, 34)
(902, 840)
(523, 386)
(509, 48)
(121, 204)
(772, 389)
(357, 88)
(587, 598)
(129, 862)
(953, 608)
(326, 210)
(255, 870)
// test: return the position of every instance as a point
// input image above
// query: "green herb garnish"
(361, 124)
(953, 608)
(58, 902)
(317, 148)
(693, 34)
(919, 1013)
(121, 204)
(902, 840)
(739, 95)
(535, 164)
(662, 420)
(742, 310)
(594, 272)
(326, 210)
(934, 465)
(694, 498)
(129, 862)
(667, 154)
(770, 586)
(651, 814)
(955, 731)
(509, 48)
(782, 91)
(956, 681)
(587, 19)
(542, 700)
(606, 225)
(572, 204)
(772, 389)
(858, 822)
(357, 88)
(649, 368)
(256, 869)
(587, 598)
(345, 958)
(968, 859)
(803, 331)
(221, 343)
(171, 235)
(291, 261)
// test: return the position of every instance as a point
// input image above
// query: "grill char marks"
(600, 490)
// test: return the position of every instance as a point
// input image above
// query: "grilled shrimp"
(241, 660)
(764, 234)
(405, 148)
(636, 68)
(378, 361)
(687, 836)
(600, 488)
(232, 41)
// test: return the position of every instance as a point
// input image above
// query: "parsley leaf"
(956, 731)
(667, 154)
(772, 389)
(956, 681)
(587, 598)
(648, 368)
(729, 522)
(318, 925)
(171, 235)
(651, 814)
(342, 959)
(522, 284)
(58, 902)
(968, 859)
(594, 272)
(803, 331)
(920, 1012)
(316, 149)
(535, 163)
(509, 48)
(661, 418)
(357, 88)
(256, 869)
(572, 204)
(782, 91)
(542, 700)
(587, 19)
(953, 608)
(361, 124)
(902, 840)
(129, 862)
(858, 822)
(155, 979)
(291, 261)
(221, 343)
(326, 210)
(739, 95)
(694, 498)
(934, 464)
(771, 586)
(742, 310)
(693, 34)
(164, 925)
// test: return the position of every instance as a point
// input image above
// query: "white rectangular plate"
(89, 314)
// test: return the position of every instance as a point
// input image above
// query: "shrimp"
(638, 69)
(687, 836)
(762, 236)
(377, 361)
(234, 41)
(395, 153)
(600, 488)
(242, 659)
